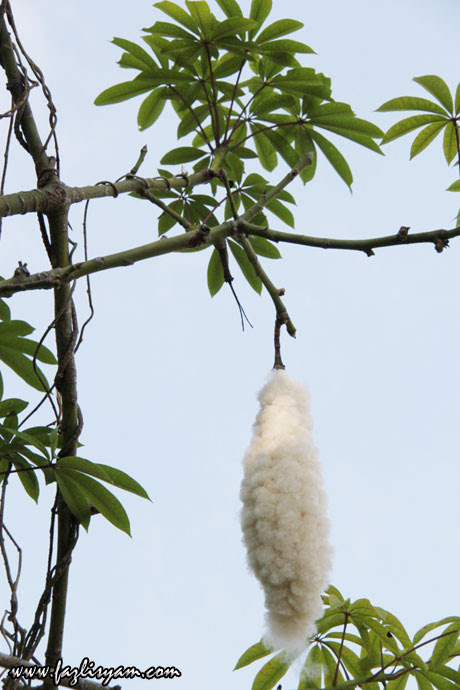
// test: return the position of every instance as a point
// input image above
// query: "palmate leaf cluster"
(441, 115)
(240, 92)
(361, 645)
(26, 453)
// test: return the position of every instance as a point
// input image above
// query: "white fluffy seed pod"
(284, 515)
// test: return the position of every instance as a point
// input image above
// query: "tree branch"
(266, 197)
(43, 200)
(440, 239)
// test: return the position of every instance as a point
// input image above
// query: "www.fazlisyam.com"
(88, 669)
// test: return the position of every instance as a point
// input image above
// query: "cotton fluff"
(284, 515)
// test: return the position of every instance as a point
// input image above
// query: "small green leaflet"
(150, 110)
(121, 92)
(278, 29)
(109, 474)
(334, 157)
(272, 672)
(263, 247)
(178, 14)
(438, 88)
(98, 496)
(246, 267)
(257, 651)
(408, 125)
(215, 273)
(411, 103)
(183, 154)
(425, 137)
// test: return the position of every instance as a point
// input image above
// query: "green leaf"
(23, 367)
(271, 102)
(202, 15)
(310, 677)
(263, 247)
(454, 187)
(398, 684)
(183, 154)
(166, 222)
(230, 27)
(137, 52)
(450, 142)
(230, 8)
(109, 474)
(395, 626)
(255, 652)
(15, 328)
(283, 213)
(334, 157)
(329, 667)
(5, 313)
(304, 144)
(178, 14)
(246, 267)
(98, 496)
(278, 29)
(234, 166)
(358, 138)
(271, 672)
(349, 123)
(438, 88)
(285, 45)
(8, 428)
(422, 682)
(150, 110)
(27, 478)
(457, 100)
(215, 273)
(123, 91)
(408, 125)
(12, 405)
(388, 642)
(425, 137)
(265, 150)
(438, 681)
(243, 152)
(170, 30)
(411, 103)
(349, 658)
(29, 347)
(191, 119)
(74, 497)
(445, 645)
(260, 9)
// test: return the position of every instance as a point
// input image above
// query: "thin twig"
(214, 97)
(235, 90)
(85, 248)
(143, 152)
(336, 674)
(189, 107)
(5, 157)
(223, 175)
(37, 630)
(48, 392)
(221, 248)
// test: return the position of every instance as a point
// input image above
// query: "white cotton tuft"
(284, 515)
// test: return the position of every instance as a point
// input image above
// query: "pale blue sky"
(168, 381)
